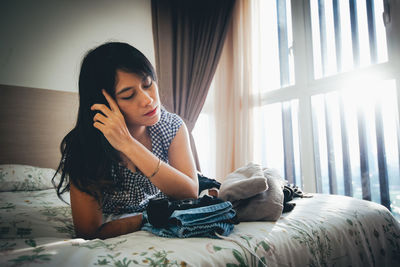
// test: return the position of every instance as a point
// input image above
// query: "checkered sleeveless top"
(135, 191)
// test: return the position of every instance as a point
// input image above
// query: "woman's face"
(137, 98)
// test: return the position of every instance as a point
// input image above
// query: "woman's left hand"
(112, 123)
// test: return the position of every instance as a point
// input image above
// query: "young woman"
(125, 148)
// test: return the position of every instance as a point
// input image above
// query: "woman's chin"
(153, 120)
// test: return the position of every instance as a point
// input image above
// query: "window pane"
(380, 32)
(390, 123)
(279, 147)
(340, 113)
(319, 123)
(345, 30)
(204, 136)
(273, 44)
(346, 34)
(315, 27)
(365, 58)
(272, 143)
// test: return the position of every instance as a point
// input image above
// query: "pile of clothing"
(251, 193)
(257, 193)
(202, 217)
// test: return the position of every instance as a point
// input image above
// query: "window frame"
(306, 85)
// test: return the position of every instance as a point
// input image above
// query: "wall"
(43, 41)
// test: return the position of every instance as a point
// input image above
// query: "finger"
(111, 101)
(100, 118)
(103, 108)
(99, 126)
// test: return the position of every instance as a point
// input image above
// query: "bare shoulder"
(181, 137)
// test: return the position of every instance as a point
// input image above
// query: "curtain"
(238, 92)
(188, 41)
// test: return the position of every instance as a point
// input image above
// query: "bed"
(36, 227)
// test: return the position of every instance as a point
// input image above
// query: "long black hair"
(87, 156)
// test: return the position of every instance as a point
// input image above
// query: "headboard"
(33, 123)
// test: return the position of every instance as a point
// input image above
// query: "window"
(329, 110)
(332, 123)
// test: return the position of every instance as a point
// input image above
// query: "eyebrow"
(124, 90)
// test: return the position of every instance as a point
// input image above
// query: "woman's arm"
(88, 219)
(178, 180)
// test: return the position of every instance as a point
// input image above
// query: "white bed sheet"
(326, 230)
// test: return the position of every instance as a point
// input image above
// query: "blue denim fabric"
(196, 222)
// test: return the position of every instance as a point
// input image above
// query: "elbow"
(186, 193)
(88, 234)
(91, 235)
(194, 192)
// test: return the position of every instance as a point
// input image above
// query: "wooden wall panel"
(32, 124)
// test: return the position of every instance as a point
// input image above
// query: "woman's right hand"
(112, 124)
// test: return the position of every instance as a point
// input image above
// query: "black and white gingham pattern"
(136, 190)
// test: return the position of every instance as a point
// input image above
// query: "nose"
(146, 98)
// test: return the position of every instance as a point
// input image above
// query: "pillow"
(16, 177)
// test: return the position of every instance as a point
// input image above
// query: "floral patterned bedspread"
(325, 230)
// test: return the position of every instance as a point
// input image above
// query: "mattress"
(326, 230)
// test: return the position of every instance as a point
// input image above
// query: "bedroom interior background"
(17, 59)
(326, 88)
(37, 228)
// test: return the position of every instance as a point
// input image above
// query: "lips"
(152, 112)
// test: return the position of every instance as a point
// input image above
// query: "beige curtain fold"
(237, 95)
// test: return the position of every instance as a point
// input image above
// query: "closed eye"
(129, 97)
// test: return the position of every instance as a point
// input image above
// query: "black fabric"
(290, 191)
(207, 183)
(160, 209)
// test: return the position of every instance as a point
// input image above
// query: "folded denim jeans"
(205, 230)
(159, 210)
(197, 222)
(203, 215)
